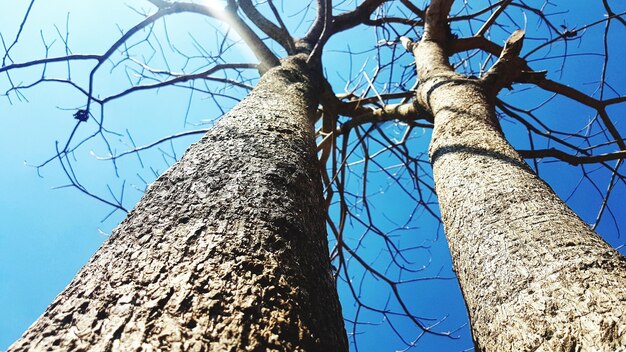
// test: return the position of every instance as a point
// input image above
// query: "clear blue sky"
(48, 234)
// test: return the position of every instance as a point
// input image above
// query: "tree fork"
(226, 251)
(534, 276)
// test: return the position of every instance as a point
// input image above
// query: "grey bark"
(227, 250)
(534, 276)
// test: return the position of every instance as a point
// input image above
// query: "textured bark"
(227, 250)
(534, 276)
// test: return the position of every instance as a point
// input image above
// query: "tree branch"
(229, 16)
(389, 112)
(180, 78)
(530, 76)
(572, 159)
(436, 27)
(509, 68)
(492, 19)
(323, 24)
(357, 16)
(279, 34)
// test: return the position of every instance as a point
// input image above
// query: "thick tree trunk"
(227, 251)
(534, 276)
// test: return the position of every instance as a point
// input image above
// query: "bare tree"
(227, 250)
(523, 258)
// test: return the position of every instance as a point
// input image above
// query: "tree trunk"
(534, 276)
(227, 250)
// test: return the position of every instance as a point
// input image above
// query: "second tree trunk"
(534, 276)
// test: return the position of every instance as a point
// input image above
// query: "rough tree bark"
(227, 250)
(534, 276)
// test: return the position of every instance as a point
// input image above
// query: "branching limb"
(323, 22)
(572, 159)
(492, 19)
(436, 27)
(68, 58)
(279, 34)
(155, 143)
(509, 68)
(530, 76)
(180, 78)
(416, 10)
(357, 16)
(229, 16)
(407, 112)
(7, 50)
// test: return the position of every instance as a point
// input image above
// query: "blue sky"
(47, 234)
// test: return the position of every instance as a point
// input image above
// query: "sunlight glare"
(216, 8)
